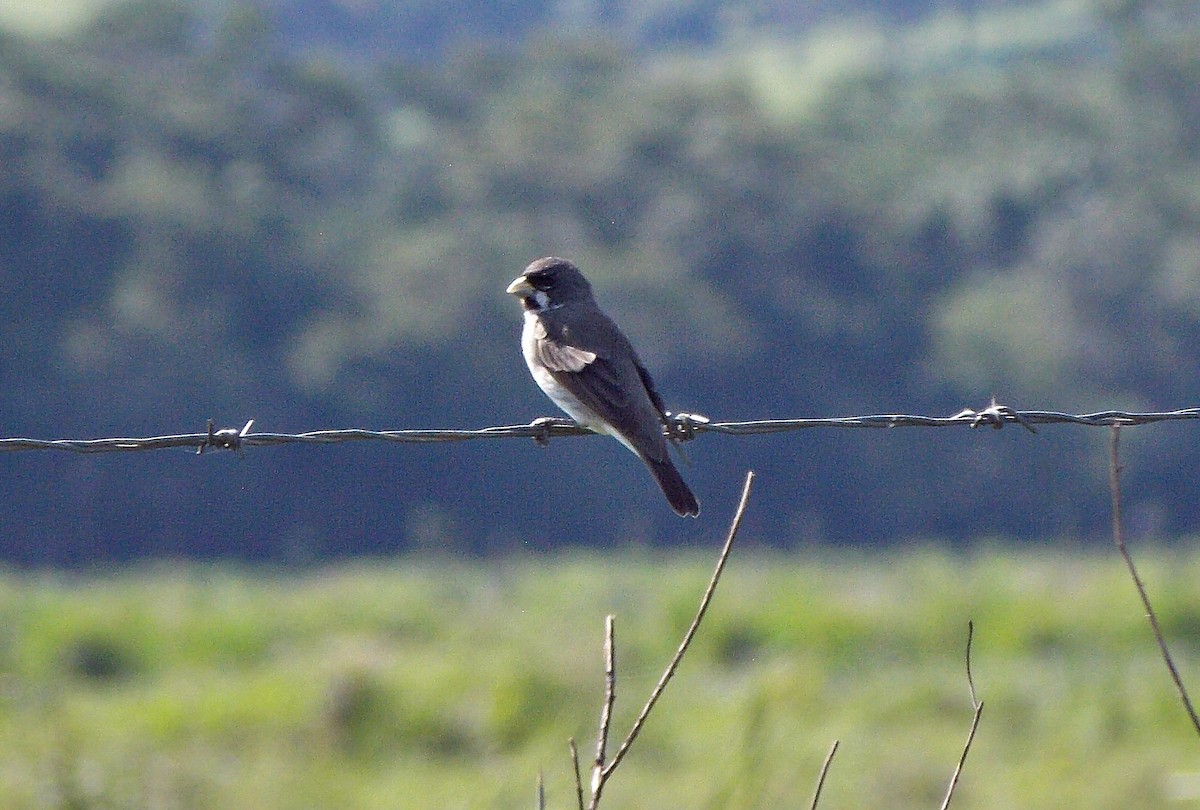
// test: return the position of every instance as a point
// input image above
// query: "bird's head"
(549, 283)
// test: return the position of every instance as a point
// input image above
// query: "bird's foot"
(544, 424)
(681, 427)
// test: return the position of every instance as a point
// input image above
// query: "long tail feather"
(674, 487)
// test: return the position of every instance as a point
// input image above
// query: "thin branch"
(1114, 485)
(656, 693)
(978, 706)
(970, 678)
(578, 779)
(610, 697)
(824, 772)
(541, 792)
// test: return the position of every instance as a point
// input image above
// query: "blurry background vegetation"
(428, 684)
(306, 212)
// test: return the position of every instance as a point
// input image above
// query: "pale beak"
(520, 286)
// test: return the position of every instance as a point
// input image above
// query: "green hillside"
(203, 215)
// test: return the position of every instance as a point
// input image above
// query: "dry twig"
(977, 704)
(824, 772)
(603, 771)
(610, 697)
(1114, 485)
(578, 779)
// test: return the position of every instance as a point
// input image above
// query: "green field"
(417, 682)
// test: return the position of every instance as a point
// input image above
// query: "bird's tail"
(674, 487)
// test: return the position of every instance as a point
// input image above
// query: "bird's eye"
(541, 281)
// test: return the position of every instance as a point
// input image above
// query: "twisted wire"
(681, 427)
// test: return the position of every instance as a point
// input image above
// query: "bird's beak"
(520, 286)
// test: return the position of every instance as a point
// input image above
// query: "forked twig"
(978, 706)
(603, 772)
(824, 772)
(1114, 485)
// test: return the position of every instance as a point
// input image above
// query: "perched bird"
(583, 362)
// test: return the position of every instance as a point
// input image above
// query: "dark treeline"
(200, 218)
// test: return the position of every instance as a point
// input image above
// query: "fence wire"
(681, 427)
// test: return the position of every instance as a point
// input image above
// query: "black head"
(551, 282)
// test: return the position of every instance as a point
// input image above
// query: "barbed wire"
(681, 427)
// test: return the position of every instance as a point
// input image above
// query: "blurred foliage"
(200, 217)
(456, 683)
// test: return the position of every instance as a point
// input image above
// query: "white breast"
(545, 380)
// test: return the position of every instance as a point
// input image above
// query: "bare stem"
(970, 678)
(610, 697)
(603, 772)
(669, 673)
(578, 780)
(1114, 485)
(978, 706)
(824, 772)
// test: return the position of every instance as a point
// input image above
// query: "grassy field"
(432, 683)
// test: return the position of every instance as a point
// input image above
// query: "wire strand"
(680, 427)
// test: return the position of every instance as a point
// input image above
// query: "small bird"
(583, 362)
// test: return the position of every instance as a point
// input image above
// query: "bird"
(585, 364)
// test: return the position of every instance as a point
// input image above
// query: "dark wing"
(655, 397)
(599, 367)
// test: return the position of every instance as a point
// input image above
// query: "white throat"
(543, 302)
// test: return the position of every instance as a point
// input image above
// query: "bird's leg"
(680, 428)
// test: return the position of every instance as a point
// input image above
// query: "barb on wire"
(995, 415)
(225, 438)
(681, 427)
